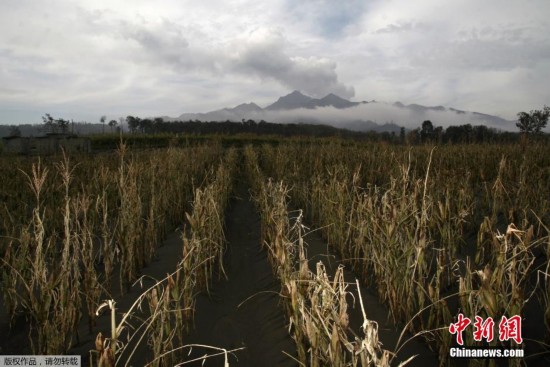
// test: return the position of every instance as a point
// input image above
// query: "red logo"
(508, 328)
(484, 329)
(458, 327)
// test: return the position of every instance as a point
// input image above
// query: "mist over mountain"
(342, 113)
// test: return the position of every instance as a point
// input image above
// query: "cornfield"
(431, 232)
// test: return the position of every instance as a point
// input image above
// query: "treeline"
(461, 134)
(158, 125)
(426, 133)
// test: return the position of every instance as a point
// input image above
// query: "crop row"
(71, 224)
(435, 231)
(316, 305)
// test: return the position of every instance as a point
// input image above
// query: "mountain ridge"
(296, 100)
(334, 110)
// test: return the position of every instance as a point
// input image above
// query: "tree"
(55, 126)
(249, 123)
(121, 121)
(402, 135)
(112, 124)
(158, 121)
(15, 131)
(133, 123)
(146, 126)
(427, 131)
(413, 136)
(534, 121)
(438, 134)
(102, 120)
(481, 133)
(49, 124)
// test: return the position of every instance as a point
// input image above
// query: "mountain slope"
(360, 116)
(336, 101)
(292, 101)
(297, 100)
(245, 108)
(476, 118)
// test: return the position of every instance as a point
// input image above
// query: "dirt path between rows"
(245, 310)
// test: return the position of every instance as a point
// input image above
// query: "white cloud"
(172, 56)
(264, 53)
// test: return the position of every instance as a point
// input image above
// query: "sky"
(80, 60)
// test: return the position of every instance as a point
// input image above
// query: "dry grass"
(404, 218)
(111, 210)
(316, 305)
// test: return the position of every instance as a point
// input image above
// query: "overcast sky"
(81, 59)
